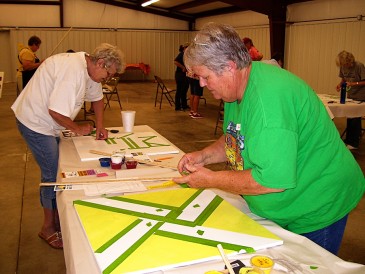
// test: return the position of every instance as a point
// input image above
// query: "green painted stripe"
(118, 236)
(208, 210)
(149, 144)
(130, 250)
(133, 143)
(188, 201)
(206, 242)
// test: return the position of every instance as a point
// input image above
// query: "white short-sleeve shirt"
(61, 84)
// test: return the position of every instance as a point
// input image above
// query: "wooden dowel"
(156, 164)
(114, 180)
(100, 152)
(63, 38)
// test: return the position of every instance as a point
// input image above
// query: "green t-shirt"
(282, 131)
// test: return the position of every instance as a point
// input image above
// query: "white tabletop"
(350, 109)
(296, 255)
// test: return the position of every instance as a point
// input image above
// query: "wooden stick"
(225, 259)
(114, 180)
(156, 164)
(63, 38)
(164, 158)
(100, 152)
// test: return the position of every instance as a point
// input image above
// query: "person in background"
(254, 53)
(286, 156)
(196, 92)
(50, 102)
(182, 82)
(28, 62)
(353, 73)
(277, 60)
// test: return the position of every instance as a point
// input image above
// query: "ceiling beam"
(148, 9)
(191, 4)
(262, 6)
(22, 2)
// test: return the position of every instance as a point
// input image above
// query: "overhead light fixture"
(145, 4)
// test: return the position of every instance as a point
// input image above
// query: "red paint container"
(131, 164)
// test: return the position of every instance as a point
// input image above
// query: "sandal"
(55, 240)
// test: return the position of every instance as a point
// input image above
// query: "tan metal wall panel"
(312, 48)
(260, 36)
(156, 48)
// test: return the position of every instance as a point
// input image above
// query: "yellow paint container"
(262, 263)
(249, 270)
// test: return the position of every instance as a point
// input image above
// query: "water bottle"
(343, 93)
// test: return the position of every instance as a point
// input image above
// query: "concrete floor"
(21, 215)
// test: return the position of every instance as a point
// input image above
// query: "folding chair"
(218, 123)
(110, 88)
(85, 116)
(165, 91)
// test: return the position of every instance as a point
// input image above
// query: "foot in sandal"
(54, 240)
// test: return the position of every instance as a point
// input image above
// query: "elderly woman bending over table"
(286, 156)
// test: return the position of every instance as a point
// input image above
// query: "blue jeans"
(329, 237)
(45, 150)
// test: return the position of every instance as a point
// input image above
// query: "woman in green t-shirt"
(286, 156)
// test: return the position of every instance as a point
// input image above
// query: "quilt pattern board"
(152, 231)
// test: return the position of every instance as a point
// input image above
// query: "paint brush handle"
(100, 152)
(225, 259)
(156, 164)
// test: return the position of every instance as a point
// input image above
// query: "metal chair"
(165, 91)
(85, 117)
(110, 88)
(219, 121)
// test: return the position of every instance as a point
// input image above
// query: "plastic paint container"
(262, 263)
(250, 270)
(116, 166)
(131, 164)
(104, 162)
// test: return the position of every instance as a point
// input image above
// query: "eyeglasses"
(196, 42)
(109, 74)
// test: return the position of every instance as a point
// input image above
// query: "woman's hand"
(196, 176)
(101, 134)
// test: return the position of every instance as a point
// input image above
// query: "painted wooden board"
(153, 231)
(148, 143)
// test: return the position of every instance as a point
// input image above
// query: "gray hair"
(345, 58)
(111, 55)
(214, 46)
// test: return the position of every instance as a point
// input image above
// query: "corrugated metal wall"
(260, 36)
(156, 48)
(312, 48)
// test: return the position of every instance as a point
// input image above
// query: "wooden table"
(351, 109)
(298, 253)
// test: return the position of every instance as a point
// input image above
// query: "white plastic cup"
(128, 120)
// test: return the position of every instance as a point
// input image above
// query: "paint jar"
(104, 162)
(117, 160)
(262, 263)
(131, 164)
(250, 270)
